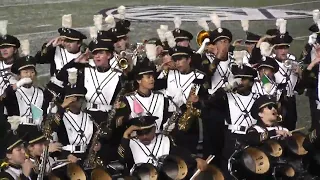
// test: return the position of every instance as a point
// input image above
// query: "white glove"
(204, 43)
(14, 122)
(170, 128)
(312, 39)
(23, 81)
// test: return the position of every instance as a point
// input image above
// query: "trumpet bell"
(211, 173)
(201, 36)
(100, 174)
(75, 172)
(123, 63)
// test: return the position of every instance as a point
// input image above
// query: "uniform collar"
(144, 95)
(102, 69)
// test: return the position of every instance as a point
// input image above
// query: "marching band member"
(24, 94)
(74, 127)
(235, 108)
(265, 82)
(153, 103)
(61, 50)
(306, 57)
(288, 73)
(9, 46)
(103, 84)
(148, 146)
(185, 85)
(15, 165)
(264, 110)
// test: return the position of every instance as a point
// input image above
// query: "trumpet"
(202, 35)
(292, 64)
(123, 60)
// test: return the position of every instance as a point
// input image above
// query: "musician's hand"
(283, 133)
(55, 42)
(201, 164)
(27, 167)
(97, 147)
(83, 58)
(55, 146)
(128, 132)
(193, 98)
(67, 101)
(72, 158)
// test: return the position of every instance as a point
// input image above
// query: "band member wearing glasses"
(141, 144)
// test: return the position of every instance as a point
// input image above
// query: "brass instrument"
(173, 118)
(202, 35)
(190, 114)
(123, 60)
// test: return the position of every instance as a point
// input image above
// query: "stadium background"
(38, 21)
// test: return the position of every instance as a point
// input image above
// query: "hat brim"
(220, 37)
(15, 144)
(146, 72)
(75, 95)
(26, 66)
(37, 140)
(266, 104)
(71, 38)
(101, 49)
(8, 44)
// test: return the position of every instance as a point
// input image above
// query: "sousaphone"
(172, 167)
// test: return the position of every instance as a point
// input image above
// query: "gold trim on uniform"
(7, 44)
(12, 145)
(98, 49)
(29, 65)
(313, 136)
(265, 104)
(121, 151)
(179, 54)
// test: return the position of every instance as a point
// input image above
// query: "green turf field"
(38, 21)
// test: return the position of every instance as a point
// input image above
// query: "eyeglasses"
(270, 106)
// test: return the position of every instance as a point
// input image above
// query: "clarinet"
(173, 117)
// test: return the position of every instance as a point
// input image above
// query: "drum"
(249, 161)
(212, 173)
(172, 167)
(75, 172)
(144, 171)
(272, 148)
(295, 144)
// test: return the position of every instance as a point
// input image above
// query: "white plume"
(238, 56)
(67, 21)
(170, 38)
(111, 23)
(121, 11)
(14, 122)
(245, 25)
(151, 51)
(316, 15)
(25, 47)
(177, 22)
(215, 20)
(234, 83)
(161, 35)
(265, 49)
(93, 32)
(203, 23)
(97, 20)
(278, 22)
(283, 27)
(3, 27)
(164, 27)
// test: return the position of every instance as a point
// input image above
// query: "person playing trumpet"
(141, 144)
(15, 165)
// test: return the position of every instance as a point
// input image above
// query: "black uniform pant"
(213, 134)
(289, 113)
(314, 112)
(230, 145)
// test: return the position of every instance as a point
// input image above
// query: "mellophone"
(274, 158)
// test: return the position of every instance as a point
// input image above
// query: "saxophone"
(190, 114)
(104, 129)
(173, 118)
